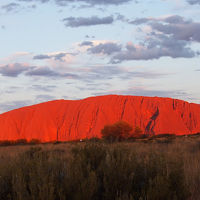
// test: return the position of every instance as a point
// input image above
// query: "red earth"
(66, 120)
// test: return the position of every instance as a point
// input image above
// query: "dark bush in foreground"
(34, 141)
(6, 143)
(13, 142)
(117, 132)
(167, 135)
(19, 142)
(93, 171)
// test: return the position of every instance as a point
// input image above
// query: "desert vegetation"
(165, 167)
(116, 132)
(123, 165)
(121, 131)
(19, 142)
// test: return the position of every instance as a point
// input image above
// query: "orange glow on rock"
(66, 120)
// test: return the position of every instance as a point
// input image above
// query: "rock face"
(78, 119)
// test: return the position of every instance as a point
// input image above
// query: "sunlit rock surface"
(79, 119)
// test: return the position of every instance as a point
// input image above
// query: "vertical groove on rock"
(174, 104)
(70, 129)
(141, 104)
(59, 126)
(77, 120)
(94, 120)
(150, 126)
(59, 121)
(96, 116)
(123, 109)
(142, 100)
(17, 128)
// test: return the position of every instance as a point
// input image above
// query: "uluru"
(66, 120)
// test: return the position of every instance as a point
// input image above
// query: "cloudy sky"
(72, 49)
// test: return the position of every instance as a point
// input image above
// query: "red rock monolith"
(66, 120)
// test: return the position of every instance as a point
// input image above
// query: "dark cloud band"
(192, 2)
(175, 26)
(11, 7)
(58, 56)
(93, 2)
(13, 70)
(105, 48)
(90, 2)
(87, 21)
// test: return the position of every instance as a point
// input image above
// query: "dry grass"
(151, 168)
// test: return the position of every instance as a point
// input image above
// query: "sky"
(73, 49)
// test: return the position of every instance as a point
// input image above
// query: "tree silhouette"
(137, 131)
(116, 132)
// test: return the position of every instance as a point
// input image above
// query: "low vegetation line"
(99, 170)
